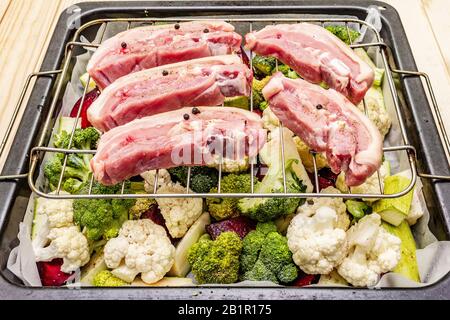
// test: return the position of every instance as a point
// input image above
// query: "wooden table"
(27, 25)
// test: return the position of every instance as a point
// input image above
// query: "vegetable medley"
(173, 241)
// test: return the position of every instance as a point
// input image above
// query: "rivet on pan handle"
(440, 123)
(14, 118)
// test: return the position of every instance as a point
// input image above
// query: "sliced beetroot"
(328, 174)
(326, 178)
(240, 225)
(91, 96)
(51, 274)
(154, 214)
(305, 280)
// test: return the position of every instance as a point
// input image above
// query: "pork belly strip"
(168, 140)
(205, 82)
(327, 122)
(315, 54)
(151, 46)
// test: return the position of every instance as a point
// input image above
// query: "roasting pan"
(423, 142)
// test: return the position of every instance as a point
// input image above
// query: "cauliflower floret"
(372, 251)
(59, 212)
(230, 165)
(376, 110)
(179, 213)
(311, 205)
(307, 157)
(370, 186)
(270, 120)
(317, 244)
(67, 243)
(149, 177)
(141, 247)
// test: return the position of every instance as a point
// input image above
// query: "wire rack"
(38, 152)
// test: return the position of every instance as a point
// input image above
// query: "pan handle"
(441, 126)
(13, 120)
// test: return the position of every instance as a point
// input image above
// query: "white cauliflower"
(179, 213)
(59, 212)
(307, 157)
(230, 165)
(376, 110)
(370, 186)
(317, 243)
(372, 251)
(312, 204)
(54, 234)
(149, 179)
(67, 243)
(141, 247)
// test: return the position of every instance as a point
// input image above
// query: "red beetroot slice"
(241, 225)
(328, 174)
(88, 100)
(51, 274)
(154, 214)
(326, 179)
(304, 280)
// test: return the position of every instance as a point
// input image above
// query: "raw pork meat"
(327, 122)
(151, 46)
(316, 55)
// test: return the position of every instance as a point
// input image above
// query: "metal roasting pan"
(423, 132)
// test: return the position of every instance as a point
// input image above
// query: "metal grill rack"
(40, 149)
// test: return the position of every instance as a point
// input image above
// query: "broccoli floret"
(224, 208)
(216, 261)
(72, 185)
(75, 169)
(257, 87)
(341, 33)
(102, 218)
(266, 209)
(202, 178)
(106, 279)
(266, 256)
(141, 205)
(263, 65)
(287, 71)
(77, 165)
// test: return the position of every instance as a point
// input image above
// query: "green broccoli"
(342, 33)
(102, 218)
(257, 87)
(263, 65)
(287, 71)
(106, 279)
(202, 178)
(141, 205)
(266, 256)
(266, 209)
(224, 208)
(216, 261)
(77, 169)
